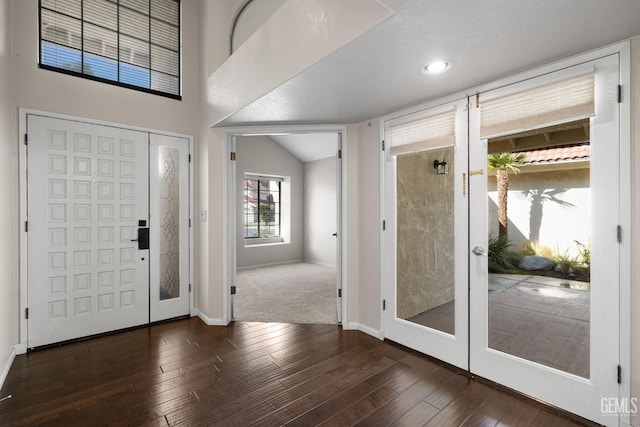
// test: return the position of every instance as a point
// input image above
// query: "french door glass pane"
(539, 258)
(425, 239)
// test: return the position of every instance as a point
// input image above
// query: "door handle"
(335, 234)
(143, 238)
(479, 251)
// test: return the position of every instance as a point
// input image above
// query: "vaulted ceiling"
(381, 71)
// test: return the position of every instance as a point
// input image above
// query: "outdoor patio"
(542, 319)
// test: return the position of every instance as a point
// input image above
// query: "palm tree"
(504, 163)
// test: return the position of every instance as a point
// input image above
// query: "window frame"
(118, 83)
(278, 210)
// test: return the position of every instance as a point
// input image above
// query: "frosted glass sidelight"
(169, 217)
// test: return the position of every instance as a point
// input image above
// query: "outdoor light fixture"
(442, 168)
(437, 67)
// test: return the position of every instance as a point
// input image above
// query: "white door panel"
(426, 311)
(87, 190)
(88, 201)
(529, 372)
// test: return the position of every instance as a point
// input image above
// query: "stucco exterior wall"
(551, 208)
(425, 227)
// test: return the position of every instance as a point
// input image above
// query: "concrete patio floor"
(542, 319)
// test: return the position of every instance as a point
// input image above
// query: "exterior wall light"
(441, 167)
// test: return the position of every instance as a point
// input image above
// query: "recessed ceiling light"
(437, 67)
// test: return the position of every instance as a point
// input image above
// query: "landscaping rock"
(533, 262)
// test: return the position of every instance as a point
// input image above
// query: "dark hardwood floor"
(258, 374)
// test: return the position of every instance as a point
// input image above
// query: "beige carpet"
(287, 293)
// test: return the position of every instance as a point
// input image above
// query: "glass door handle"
(479, 251)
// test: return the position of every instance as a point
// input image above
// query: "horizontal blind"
(564, 101)
(422, 132)
(255, 177)
(131, 42)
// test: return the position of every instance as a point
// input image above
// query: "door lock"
(143, 238)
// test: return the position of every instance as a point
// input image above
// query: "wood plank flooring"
(185, 373)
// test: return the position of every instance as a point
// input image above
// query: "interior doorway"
(287, 197)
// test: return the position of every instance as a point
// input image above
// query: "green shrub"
(537, 249)
(501, 259)
(566, 262)
(585, 252)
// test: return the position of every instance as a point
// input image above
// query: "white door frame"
(568, 391)
(450, 347)
(229, 219)
(624, 51)
(22, 346)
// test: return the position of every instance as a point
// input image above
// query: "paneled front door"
(90, 230)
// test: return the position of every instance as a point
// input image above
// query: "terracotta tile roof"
(556, 154)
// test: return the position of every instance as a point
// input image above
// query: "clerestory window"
(131, 43)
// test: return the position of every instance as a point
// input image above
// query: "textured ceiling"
(380, 72)
(309, 147)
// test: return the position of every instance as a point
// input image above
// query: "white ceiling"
(309, 147)
(381, 72)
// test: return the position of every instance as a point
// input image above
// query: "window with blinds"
(262, 207)
(131, 43)
(421, 131)
(560, 102)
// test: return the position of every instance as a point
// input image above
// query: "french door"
(101, 254)
(549, 331)
(425, 238)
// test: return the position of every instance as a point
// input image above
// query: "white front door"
(553, 338)
(89, 265)
(87, 192)
(425, 238)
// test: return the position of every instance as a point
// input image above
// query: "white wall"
(320, 210)
(215, 19)
(8, 207)
(51, 91)
(262, 155)
(368, 225)
(554, 205)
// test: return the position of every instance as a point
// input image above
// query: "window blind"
(421, 132)
(263, 177)
(559, 102)
(133, 43)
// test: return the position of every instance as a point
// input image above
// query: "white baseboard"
(320, 263)
(269, 264)
(20, 348)
(376, 333)
(7, 367)
(211, 322)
